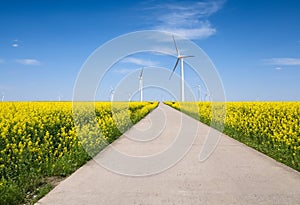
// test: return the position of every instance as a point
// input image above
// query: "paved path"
(233, 174)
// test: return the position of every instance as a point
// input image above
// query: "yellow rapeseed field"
(270, 127)
(39, 139)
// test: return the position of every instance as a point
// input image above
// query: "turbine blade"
(187, 56)
(141, 75)
(177, 51)
(174, 68)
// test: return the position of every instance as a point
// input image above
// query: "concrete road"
(233, 174)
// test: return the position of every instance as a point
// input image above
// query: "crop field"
(40, 139)
(270, 127)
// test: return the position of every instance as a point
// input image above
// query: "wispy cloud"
(28, 61)
(1, 61)
(188, 19)
(278, 68)
(15, 43)
(282, 61)
(123, 70)
(139, 62)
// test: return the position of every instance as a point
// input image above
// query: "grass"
(39, 143)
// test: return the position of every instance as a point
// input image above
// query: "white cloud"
(195, 33)
(278, 68)
(28, 61)
(188, 19)
(139, 62)
(282, 61)
(15, 45)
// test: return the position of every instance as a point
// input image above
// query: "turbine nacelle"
(112, 90)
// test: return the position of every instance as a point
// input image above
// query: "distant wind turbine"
(112, 92)
(60, 96)
(208, 96)
(180, 58)
(205, 96)
(199, 92)
(2, 97)
(129, 97)
(141, 84)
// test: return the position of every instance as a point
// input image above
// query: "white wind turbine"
(112, 92)
(2, 97)
(129, 97)
(199, 92)
(59, 97)
(180, 57)
(205, 96)
(141, 85)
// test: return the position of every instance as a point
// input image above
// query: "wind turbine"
(2, 97)
(60, 96)
(180, 58)
(205, 97)
(112, 92)
(208, 96)
(129, 97)
(199, 92)
(141, 84)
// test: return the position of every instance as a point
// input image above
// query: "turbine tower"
(141, 84)
(2, 97)
(180, 58)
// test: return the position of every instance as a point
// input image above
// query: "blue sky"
(254, 45)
